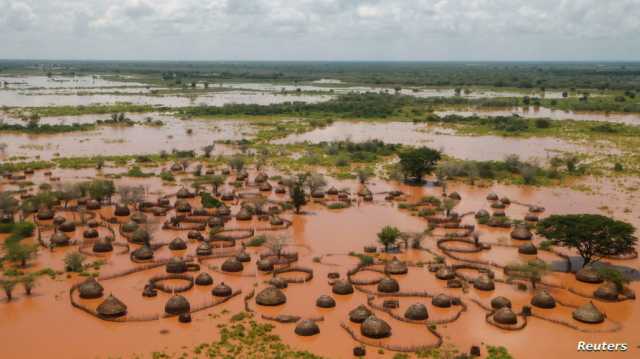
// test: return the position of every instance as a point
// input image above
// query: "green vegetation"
(388, 236)
(415, 163)
(532, 271)
(593, 236)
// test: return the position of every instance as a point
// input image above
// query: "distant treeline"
(526, 75)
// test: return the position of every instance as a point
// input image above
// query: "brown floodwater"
(65, 332)
(116, 140)
(464, 147)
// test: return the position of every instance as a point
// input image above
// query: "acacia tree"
(297, 195)
(8, 285)
(29, 281)
(8, 205)
(418, 162)
(388, 236)
(20, 253)
(532, 271)
(594, 236)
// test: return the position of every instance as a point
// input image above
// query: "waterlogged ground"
(329, 235)
(543, 112)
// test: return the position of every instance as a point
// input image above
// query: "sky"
(383, 30)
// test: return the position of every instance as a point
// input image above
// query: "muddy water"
(22, 99)
(544, 112)
(137, 139)
(330, 235)
(464, 147)
(62, 82)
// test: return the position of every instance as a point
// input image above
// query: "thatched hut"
(243, 257)
(264, 265)
(261, 177)
(67, 226)
(143, 253)
(183, 206)
(376, 328)
(178, 244)
(90, 289)
(45, 214)
(204, 249)
(521, 232)
(455, 196)
(500, 302)
(441, 301)
(176, 265)
(243, 215)
(483, 282)
(271, 296)
(528, 249)
(589, 274)
(60, 239)
(103, 245)
(388, 285)
(505, 316)
(332, 191)
(542, 299)
(342, 287)
(359, 314)
(530, 217)
(445, 273)
(395, 266)
(177, 305)
(129, 227)
(281, 190)
(111, 307)
(58, 220)
(265, 187)
(122, 210)
(492, 196)
(306, 328)
(139, 217)
(278, 282)
(93, 205)
(221, 290)
(589, 314)
(483, 213)
(416, 311)
(232, 265)
(90, 233)
(184, 193)
(325, 301)
(204, 278)
(607, 291)
(140, 236)
(215, 222)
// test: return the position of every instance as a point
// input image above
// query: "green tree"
(216, 182)
(388, 236)
(364, 174)
(19, 253)
(297, 195)
(415, 163)
(594, 236)
(73, 262)
(29, 281)
(610, 274)
(8, 285)
(532, 271)
(8, 204)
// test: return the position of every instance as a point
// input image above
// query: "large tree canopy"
(592, 235)
(417, 162)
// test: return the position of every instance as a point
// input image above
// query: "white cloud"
(348, 29)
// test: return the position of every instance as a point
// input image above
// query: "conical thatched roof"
(243, 215)
(589, 274)
(483, 282)
(500, 302)
(278, 282)
(307, 328)
(325, 301)
(264, 265)
(67, 226)
(184, 193)
(140, 236)
(588, 313)
(122, 210)
(445, 273)
(607, 291)
(130, 227)
(232, 265)
(177, 305)
(332, 191)
(143, 253)
(176, 265)
(177, 244)
(359, 314)
(455, 196)
(221, 290)
(111, 307)
(139, 217)
(492, 196)
(265, 187)
(528, 248)
(90, 233)
(530, 217)
(416, 311)
(342, 287)
(204, 279)
(45, 214)
(183, 206)
(58, 220)
(215, 222)
(521, 232)
(204, 249)
(506, 316)
(243, 257)
(93, 205)
(375, 328)
(388, 285)
(90, 289)
(441, 300)
(542, 299)
(396, 267)
(59, 239)
(261, 177)
(103, 245)
(482, 213)
(271, 296)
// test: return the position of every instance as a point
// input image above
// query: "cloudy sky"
(321, 29)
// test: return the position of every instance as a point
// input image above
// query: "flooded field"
(472, 148)
(322, 246)
(543, 112)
